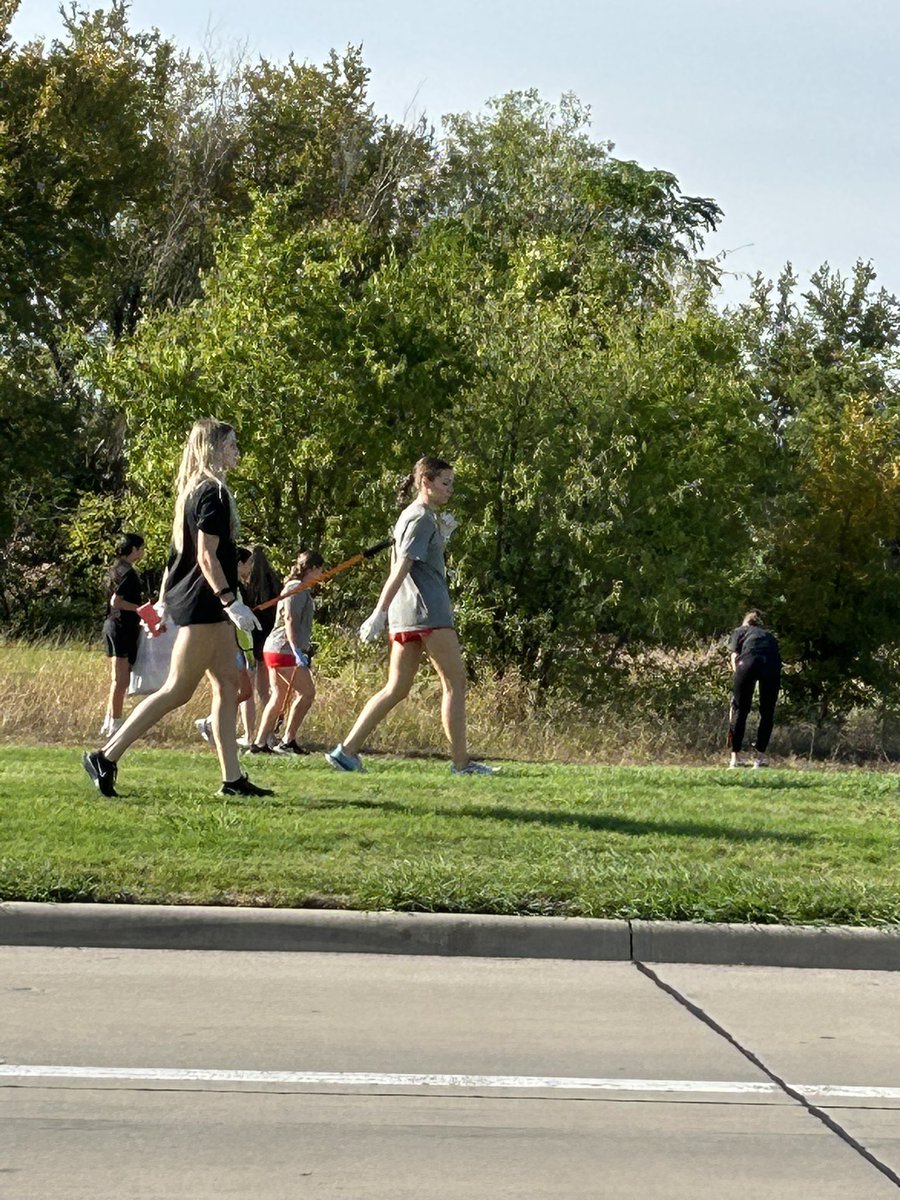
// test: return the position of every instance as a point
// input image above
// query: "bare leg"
(404, 663)
(305, 688)
(196, 648)
(118, 687)
(248, 716)
(224, 678)
(262, 682)
(279, 686)
(443, 649)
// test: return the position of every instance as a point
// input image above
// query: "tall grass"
(667, 710)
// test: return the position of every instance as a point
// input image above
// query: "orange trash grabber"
(329, 574)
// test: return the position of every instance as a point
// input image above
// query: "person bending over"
(755, 660)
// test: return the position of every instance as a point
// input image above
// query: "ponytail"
(427, 467)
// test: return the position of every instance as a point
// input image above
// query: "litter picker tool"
(329, 574)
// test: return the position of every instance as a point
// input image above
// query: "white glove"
(448, 523)
(242, 616)
(373, 627)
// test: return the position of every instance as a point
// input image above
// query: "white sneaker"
(760, 761)
(474, 768)
(244, 743)
(736, 761)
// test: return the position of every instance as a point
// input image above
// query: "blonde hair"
(201, 463)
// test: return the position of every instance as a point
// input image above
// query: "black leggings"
(753, 669)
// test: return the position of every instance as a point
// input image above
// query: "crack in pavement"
(814, 1110)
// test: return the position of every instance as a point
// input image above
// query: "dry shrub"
(660, 708)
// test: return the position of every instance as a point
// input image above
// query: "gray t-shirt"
(423, 601)
(301, 608)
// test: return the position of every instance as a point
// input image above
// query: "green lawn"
(646, 842)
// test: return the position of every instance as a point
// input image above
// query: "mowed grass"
(629, 842)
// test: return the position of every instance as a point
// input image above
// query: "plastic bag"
(151, 666)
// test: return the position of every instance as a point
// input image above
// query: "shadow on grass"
(752, 781)
(607, 823)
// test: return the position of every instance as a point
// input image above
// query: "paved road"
(132, 1075)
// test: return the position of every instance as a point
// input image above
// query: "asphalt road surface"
(131, 1075)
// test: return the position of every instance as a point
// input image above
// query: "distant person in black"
(755, 659)
(263, 584)
(121, 628)
(200, 594)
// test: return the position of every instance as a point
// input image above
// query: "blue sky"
(784, 111)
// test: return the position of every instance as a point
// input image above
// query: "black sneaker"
(243, 787)
(101, 771)
(254, 749)
(290, 748)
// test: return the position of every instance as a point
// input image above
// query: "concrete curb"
(195, 927)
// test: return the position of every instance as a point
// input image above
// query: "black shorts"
(120, 643)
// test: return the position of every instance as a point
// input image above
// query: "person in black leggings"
(755, 659)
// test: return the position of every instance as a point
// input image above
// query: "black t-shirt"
(189, 598)
(125, 583)
(749, 640)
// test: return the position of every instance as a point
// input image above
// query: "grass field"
(641, 842)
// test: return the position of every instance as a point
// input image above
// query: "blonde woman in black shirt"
(200, 593)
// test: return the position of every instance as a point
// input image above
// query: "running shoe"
(243, 787)
(736, 761)
(101, 771)
(760, 761)
(289, 748)
(474, 768)
(253, 748)
(342, 761)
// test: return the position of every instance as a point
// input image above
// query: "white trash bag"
(151, 666)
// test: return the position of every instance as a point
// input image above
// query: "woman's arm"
(399, 572)
(208, 562)
(122, 605)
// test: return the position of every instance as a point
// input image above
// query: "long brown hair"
(264, 582)
(306, 560)
(428, 467)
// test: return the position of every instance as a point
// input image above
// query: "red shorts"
(272, 658)
(412, 635)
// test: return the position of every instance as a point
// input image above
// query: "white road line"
(380, 1079)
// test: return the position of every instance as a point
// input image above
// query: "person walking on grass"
(200, 592)
(755, 659)
(245, 665)
(415, 603)
(262, 584)
(286, 654)
(121, 628)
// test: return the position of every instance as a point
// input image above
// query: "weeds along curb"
(161, 927)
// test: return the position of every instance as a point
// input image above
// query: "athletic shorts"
(411, 635)
(274, 658)
(121, 644)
